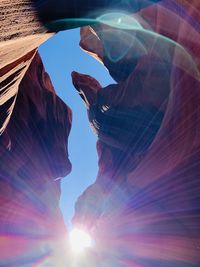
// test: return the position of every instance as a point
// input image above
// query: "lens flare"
(133, 39)
(137, 41)
(120, 21)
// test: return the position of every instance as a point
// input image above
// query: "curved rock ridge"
(34, 157)
(21, 33)
(79, 13)
(143, 209)
(25, 24)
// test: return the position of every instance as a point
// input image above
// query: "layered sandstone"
(143, 209)
(34, 157)
(25, 24)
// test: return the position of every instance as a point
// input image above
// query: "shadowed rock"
(51, 11)
(34, 155)
(26, 24)
(143, 209)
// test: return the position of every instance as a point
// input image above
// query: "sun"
(79, 240)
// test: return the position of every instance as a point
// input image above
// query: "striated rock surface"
(21, 33)
(143, 209)
(34, 155)
(25, 24)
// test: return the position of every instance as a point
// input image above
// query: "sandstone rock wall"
(25, 24)
(143, 208)
(34, 155)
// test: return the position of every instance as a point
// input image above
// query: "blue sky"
(61, 55)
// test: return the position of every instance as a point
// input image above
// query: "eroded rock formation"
(27, 24)
(34, 155)
(21, 33)
(143, 209)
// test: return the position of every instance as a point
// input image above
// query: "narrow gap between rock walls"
(61, 55)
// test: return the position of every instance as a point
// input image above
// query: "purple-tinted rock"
(27, 24)
(143, 209)
(33, 156)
